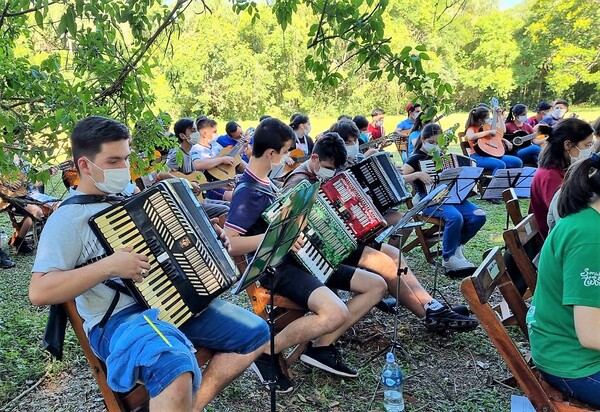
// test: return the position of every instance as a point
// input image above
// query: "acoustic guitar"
(298, 156)
(18, 187)
(490, 145)
(521, 137)
(224, 172)
(200, 179)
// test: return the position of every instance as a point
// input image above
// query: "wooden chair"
(477, 289)
(427, 237)
(512, 206)
(135, 400)
(285, 312)
(524, 242)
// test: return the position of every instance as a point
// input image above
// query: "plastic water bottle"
(391, 377)
(3, 238)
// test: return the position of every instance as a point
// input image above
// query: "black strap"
(87, 199)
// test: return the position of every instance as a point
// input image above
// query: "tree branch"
(139, 54)
(31, 10)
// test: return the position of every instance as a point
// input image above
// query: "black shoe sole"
(313, 362)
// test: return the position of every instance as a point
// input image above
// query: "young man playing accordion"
(331, 317)
(328, 155)
(172, 376)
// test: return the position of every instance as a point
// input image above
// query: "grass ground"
(451, 372)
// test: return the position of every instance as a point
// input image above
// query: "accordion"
(379, 177)
(355, 208)
(449, 161)
(328, 240)
(189, 266)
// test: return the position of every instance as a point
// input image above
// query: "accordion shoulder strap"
(87, 199)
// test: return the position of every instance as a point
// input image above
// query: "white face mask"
(115, 180)
(583, 154)
(284, 158)
(307, 130)
(194, 138)
(430, 147)
(522, 119)
(379, 123)
(558, 113)
(325, 174)
(352, 150)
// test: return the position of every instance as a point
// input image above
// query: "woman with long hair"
(568, 141)
(474, 131)
(564, 316)
(463, 221)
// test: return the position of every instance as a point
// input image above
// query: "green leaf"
(421, 48)
(39, 19)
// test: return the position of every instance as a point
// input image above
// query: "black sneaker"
(327, 358)
(263, 367)
(5, 262)
(387, 305)
(445, 318)
(23, 248)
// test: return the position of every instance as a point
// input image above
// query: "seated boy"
(182, 158)
(328, 155)
(331, 317)
(69, 265)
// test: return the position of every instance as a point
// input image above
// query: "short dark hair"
(271, 133)
(231, 128)
(344, 117)
(90, 133)
(346, 130)
(411, 107)
(361, 122)
(263, 117)
(297, 119)
(574, 130)
(203, 122)
(543, 105)
(581, 186)
(566, 103)
(331, 147)
(181, 126)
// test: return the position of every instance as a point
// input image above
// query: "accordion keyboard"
(184, 275)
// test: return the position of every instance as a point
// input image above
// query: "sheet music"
(518, 178)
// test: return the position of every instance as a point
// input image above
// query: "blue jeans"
(223, 327)
(505, 162)
(585, 389)
(529, 154)
(462, 222)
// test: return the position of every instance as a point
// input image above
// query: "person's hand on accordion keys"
(424, 177)
(221, 233)
(300, 241)
(128, 264)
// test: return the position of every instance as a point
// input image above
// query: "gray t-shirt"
(67, 242)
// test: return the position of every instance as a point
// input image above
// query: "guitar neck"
(215, 185)
(237, 148)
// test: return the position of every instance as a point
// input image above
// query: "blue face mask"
(364, 137)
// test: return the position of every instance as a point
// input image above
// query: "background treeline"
(231, 67)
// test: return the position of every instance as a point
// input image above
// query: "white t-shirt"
(66, 242)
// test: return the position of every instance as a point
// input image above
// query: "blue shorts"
(223, 327)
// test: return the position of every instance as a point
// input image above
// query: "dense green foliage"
(61, 60)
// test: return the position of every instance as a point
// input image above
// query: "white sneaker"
(454, 262)
(459, 254)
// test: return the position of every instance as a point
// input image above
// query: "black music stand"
(461, 181)
(276, 244)
(518, 178)
(436, 196)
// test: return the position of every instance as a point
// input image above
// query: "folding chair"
(135, 400)
(477, 289)
(427, 237)
(512, 206)
(524, 242)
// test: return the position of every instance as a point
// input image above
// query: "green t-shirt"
(568, 275)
